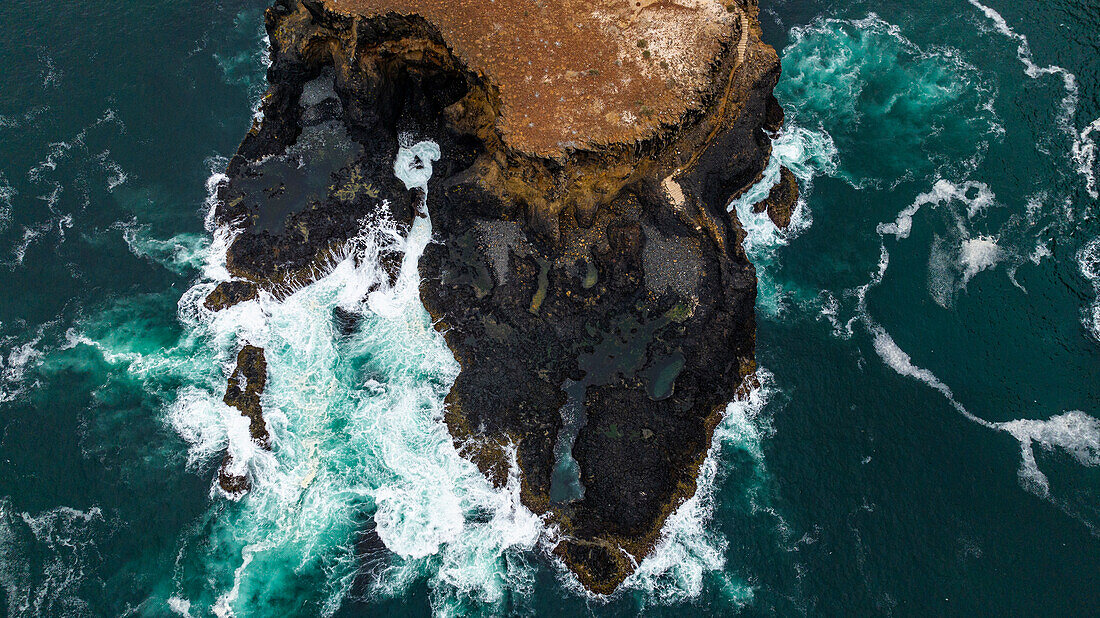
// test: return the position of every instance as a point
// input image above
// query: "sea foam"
(64, 540)
(894, 108)
(1088, 260)
(1073, 432)
(357, 434)
(1082, 145)
(807, 154)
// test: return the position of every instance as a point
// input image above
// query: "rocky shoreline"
(587, 276)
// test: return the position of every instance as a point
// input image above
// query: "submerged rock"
(588, 277)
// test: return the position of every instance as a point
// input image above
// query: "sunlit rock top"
(577, 72)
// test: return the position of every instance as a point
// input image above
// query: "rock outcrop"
(588, 277)
(243, 390)
(781, 200)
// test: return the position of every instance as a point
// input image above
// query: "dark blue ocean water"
(925, 440)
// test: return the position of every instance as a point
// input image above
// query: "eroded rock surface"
(588, 277)
(245, 386)
(781, 200)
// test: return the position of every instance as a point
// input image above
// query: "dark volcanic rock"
(594, 291)
(229, 293)
(781, 199)
(246, 384)
(243, 391)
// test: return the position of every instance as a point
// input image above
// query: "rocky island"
(585, 271)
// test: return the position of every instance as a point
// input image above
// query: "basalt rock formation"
(587, 275)
(245, 386)
(781, 200)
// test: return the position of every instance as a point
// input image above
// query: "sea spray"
(413, 166)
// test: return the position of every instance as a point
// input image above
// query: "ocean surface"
(925, 440)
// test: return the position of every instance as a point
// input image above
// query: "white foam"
(343, 447)
(1084, 154)
(20, 358)
(861, 291)
(976, 195)
(978, 254)
(688, 550)
(1083, 147)
(806, 153)
(1088, 260)
(830, 310)
(7, 194)
(214, 181)
(198, 417)
(1076, 433)
(959, 256)
(63, 539)
(180, 607)
(264, 56)
(180, 254)
(1041, 252)
(413, 166)
(15, 367)
(899, 361)
(943, 270)
(51, 75)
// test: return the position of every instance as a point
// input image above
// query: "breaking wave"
(357, 441)
(354, 406)
(689, 549)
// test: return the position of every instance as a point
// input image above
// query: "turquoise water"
(924, 441)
